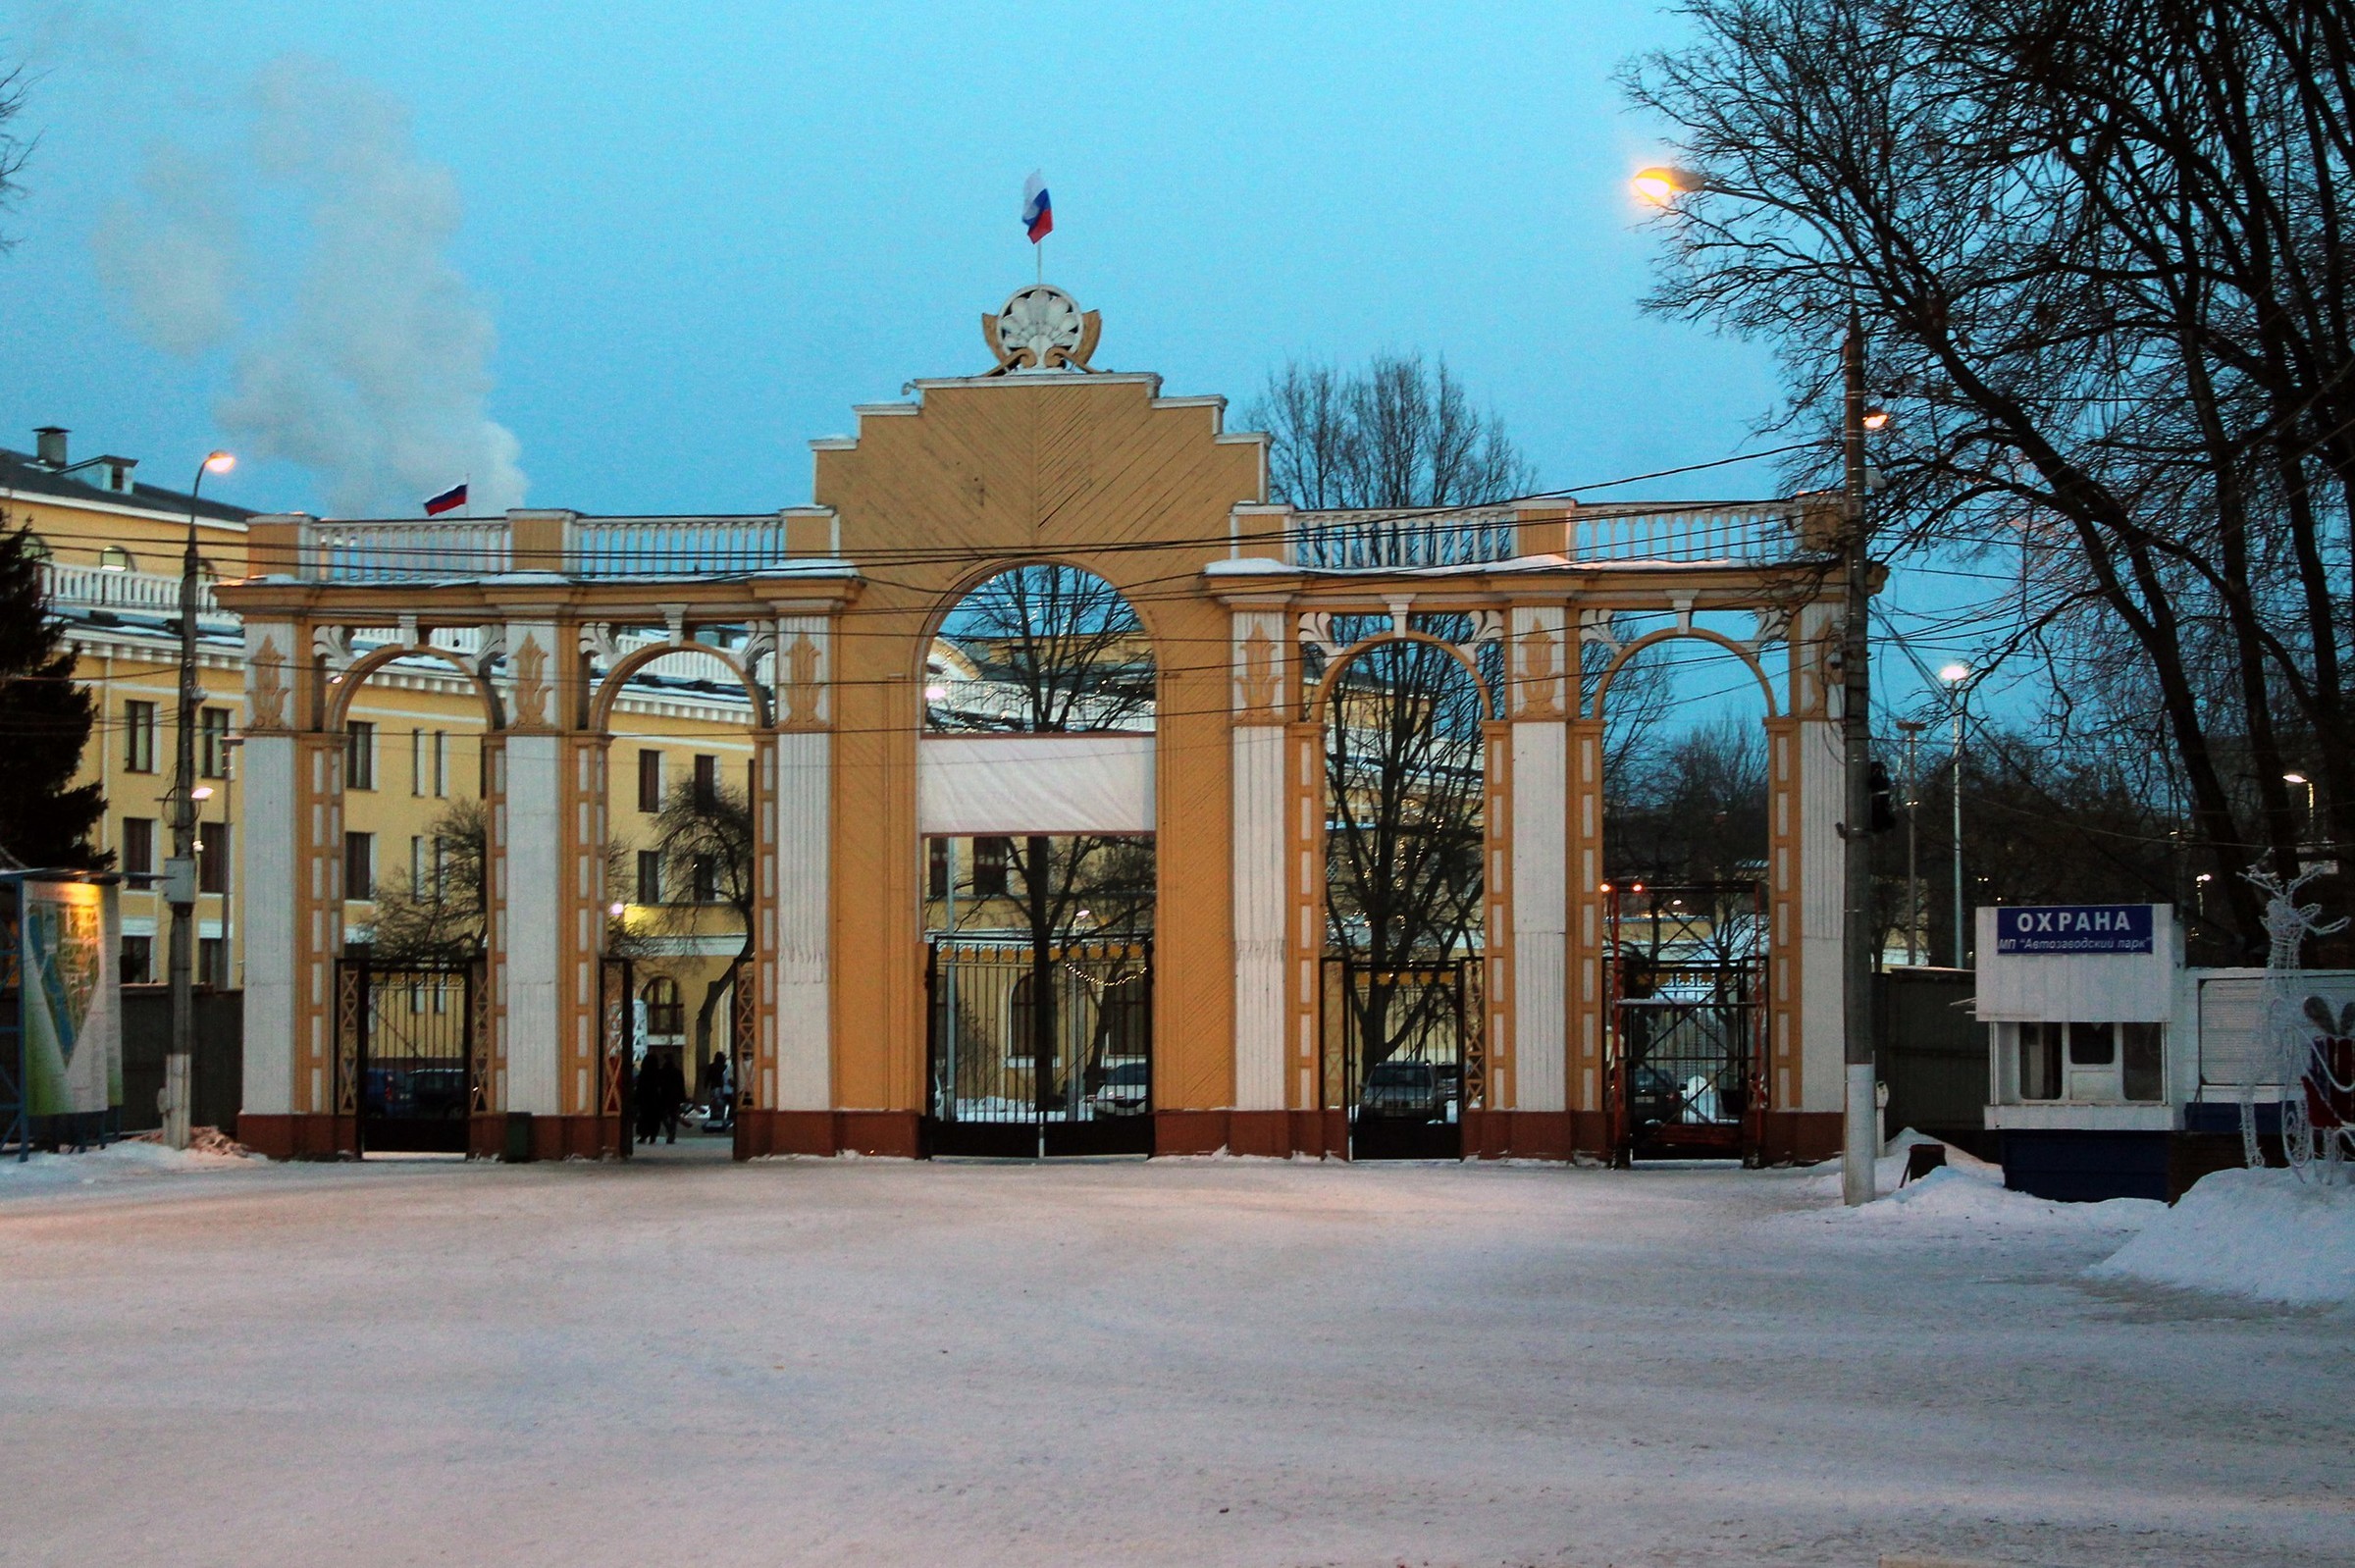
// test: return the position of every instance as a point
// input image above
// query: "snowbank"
(1965, 1200)
(117, 1161)
(2259, 1233)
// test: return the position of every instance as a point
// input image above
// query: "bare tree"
(704, 835)
(439, 916)
(1400, 433)
(1060, 651)
(15, 148)
(2101, 252)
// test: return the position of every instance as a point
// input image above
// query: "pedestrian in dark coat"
(674, 1097)
(646, 1094)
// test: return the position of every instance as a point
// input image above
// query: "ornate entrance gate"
(1407, 1055)
(1689, 1013)
(1034, 1055)
(411, 1066)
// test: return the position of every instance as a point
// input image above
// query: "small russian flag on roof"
(1038, 212)
(449, 501)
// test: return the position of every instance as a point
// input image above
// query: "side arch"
(345, 686)
(1322, 697)
(609, 688)
(1750, 662)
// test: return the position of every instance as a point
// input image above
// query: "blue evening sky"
(704, 231)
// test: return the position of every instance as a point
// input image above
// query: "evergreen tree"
(44, 722)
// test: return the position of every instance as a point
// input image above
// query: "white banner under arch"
(1011, 784)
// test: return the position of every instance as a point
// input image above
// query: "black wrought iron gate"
(1409, 1047)
(1034, 1055)
(1689, 1013)
(407, 1065)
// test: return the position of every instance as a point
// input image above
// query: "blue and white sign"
(2028, 930)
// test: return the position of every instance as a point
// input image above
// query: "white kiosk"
(2115, 1070)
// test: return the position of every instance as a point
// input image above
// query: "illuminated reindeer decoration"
(2311, 1051)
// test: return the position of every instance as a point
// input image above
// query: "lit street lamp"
(1959, 678)
(180, 872)
(2300, 779)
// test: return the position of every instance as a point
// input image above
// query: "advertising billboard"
(71, 1004)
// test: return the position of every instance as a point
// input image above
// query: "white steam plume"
(376, 373)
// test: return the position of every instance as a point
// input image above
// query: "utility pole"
(180, 872)
(1861, 1144)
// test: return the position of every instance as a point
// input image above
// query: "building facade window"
(706, 781)
(212, 742)
(212, 962)
(706, 880)
(139, 960)
(416, 761)
(212, 858)
(666, 1014)
(359, 755)
(441, 763)
(138, 737)
(936, 866)
(139, 846)
(115, 559)
(990, 858)
(649, 782)
(649, 876)
(359, 865)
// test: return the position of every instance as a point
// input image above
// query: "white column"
(1541, 915)
(805, 828)
(271, 904)
(531, 881)
(1822, 797)
(1260, 860)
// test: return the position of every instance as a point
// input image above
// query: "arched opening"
(1405, 770)
(1039, 870)
(413, 1063)
(1687, 854)
(678, 712)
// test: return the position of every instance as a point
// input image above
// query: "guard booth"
(1689, 1005)
(2115, 1070)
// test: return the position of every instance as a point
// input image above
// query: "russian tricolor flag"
(1038, 212)
(449, 501)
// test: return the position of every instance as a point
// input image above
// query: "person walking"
(723, 1103)
(673, 1090)
(644, 1096)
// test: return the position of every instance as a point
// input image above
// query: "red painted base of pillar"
(1800, 1137)
(1197, 1131)
(1522, 1134)
(885, 1134)
(299, 1137)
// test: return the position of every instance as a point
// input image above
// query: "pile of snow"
(2259, 1233)
(129, 1160)
(1963, 1200)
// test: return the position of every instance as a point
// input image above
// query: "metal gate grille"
(406, 1065)
(1689, 1012)
(1403, 1055)
(1040, 1054)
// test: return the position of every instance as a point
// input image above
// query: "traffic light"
(1884, 808)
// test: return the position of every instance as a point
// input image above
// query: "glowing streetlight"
(1876, 419)
(1662, 184)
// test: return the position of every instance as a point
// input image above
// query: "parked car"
(1405, 1091)
(1127, 1089)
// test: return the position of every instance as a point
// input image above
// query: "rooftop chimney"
(50, 446)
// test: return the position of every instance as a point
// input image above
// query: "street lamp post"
(1912, 729)
(180, 872)
(1959, 679)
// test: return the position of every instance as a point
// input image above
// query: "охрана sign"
(2059, 929)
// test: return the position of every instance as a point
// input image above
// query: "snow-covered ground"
(1194, 1362)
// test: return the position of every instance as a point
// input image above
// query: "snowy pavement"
(1186, 1362)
